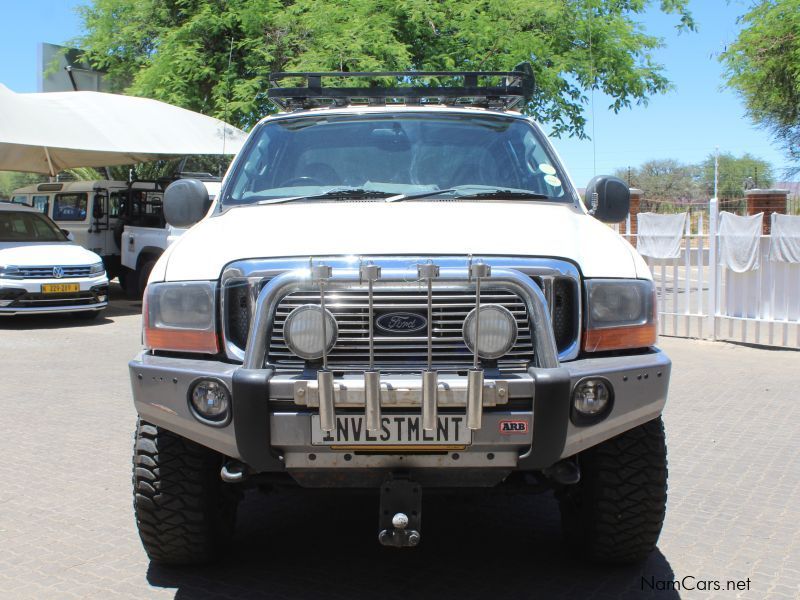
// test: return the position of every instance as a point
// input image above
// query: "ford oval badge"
(401, 322)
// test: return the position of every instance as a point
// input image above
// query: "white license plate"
(395, 430)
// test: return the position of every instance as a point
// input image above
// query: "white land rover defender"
(399, 289)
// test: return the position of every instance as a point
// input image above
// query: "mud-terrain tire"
(184, 512)
(122, 277)
(129, 281)
(615, 513)
(143, 274)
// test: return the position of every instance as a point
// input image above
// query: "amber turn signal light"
(620, 338)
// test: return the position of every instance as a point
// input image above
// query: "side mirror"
(97, 207)
(68, 235)
(608, 198)
(186, 202)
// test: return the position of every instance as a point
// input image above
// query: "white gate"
(698, 297)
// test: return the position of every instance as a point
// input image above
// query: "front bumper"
(270, 433)
(24, 296)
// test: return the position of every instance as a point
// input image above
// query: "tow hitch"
(400, 513)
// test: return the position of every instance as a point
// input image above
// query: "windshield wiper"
(502, 193)
(401, 197)
(336, 193)
(461, 192)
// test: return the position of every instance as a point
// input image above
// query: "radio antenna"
(227, 107)
(592, 75)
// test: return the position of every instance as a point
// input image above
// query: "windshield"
(19, 226)
(393, 154)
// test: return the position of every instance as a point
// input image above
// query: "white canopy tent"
(49, 132)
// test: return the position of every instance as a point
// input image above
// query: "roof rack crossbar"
(516, 88)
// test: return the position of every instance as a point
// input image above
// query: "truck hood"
(422, 228)
(32, 254)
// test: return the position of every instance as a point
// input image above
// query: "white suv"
(42, 271)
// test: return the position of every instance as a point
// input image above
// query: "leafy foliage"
(11, 180)
(764, 66)
(736, 174)
(214, 56)
(666, 182)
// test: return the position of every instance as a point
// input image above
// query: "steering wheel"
(304, 180)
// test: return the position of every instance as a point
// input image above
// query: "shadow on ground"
(325, 546)
(119, 306)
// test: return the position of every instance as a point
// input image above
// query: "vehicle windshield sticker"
(552, 180)
(547, 169)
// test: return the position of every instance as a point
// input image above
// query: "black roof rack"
(516, 88)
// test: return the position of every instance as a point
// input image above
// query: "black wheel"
(143, 274)
(184, 512)
(615, 513)
(129, 282)
(122, 277)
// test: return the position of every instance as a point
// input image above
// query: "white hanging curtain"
(660, 236)
(784, 243)
(739, 239)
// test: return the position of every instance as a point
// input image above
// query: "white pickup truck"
(400, 290)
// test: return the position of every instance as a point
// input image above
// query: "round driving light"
(210, 401)
(497, 331)
(591, 397)
(302, 331)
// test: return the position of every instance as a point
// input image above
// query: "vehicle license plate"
(60, 288)
(396, 430)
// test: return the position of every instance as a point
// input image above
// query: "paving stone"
(67, 529)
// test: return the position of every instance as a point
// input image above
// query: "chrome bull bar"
(327, 394)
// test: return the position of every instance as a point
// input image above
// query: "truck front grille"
(396, 352)
(450, 308)
(48, 272)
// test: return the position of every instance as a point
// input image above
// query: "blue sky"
(685, 124)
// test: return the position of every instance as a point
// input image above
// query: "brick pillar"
(636, 200)
(768, 202)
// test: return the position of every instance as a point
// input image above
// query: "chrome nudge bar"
(327, 394)
(545, 351)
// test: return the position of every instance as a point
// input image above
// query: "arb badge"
(513, 427)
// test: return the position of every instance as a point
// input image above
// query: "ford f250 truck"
(400, 289)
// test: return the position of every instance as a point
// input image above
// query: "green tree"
(11, 180)
(763, 65)
(736, 174)
(665, 180)
(214, 56)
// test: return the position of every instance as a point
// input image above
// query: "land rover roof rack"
(515, 88)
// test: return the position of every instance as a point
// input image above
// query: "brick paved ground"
(66, 528)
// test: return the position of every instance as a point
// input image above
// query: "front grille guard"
(477, 390)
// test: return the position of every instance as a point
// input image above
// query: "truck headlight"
(302, 331)
(180, 316)
(497, 331)
(97, 268)
(620, 314)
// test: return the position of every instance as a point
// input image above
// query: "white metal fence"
(698, 297)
